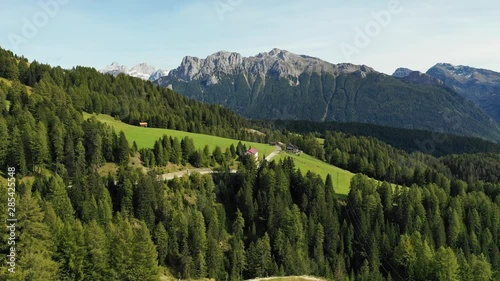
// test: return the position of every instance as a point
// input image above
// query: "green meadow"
(341, 178)
(146, 137)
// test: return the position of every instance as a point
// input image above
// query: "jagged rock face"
(115, 69)
(141, 70)
(282, 85)
(277, 63)
(402, 72)
(418, 77)
(478, 85)
(158, 74)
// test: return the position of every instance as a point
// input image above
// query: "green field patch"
(146, 137)
(341, 178)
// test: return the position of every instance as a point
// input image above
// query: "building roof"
(253, 151)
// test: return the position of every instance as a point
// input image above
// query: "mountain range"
(143, 71)
(480, 86)
(282, 85)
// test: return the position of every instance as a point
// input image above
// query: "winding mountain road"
(205, 171)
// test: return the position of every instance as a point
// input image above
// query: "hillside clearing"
(146, 137)
(341, 178)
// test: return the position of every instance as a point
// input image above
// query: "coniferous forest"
(408, 215)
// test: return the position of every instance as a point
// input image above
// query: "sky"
(382, 34)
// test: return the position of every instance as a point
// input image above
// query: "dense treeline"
(383, 162)
(171, 150)
(454, 173)
(474, 167)
(437, 144)
(268, 221)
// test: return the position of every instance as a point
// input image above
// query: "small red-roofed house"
(253, 151)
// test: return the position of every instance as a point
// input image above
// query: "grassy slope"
(145, 137)
(341, 178)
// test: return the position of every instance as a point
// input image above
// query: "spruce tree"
(160, 238)
(144, 265)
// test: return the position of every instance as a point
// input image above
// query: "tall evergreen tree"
(238, 258)
(144, 265)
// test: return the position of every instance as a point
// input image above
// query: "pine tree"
(35, 243)
(218, 156)
(446, 266)
(122, 149)
(238, 257)
(96, 262)
(17, 152)
(160, 238)
(176, 155)
(215, 256)
(71, 251)
(4, 142)
(318, 249)
(57, 143)
(198, 243)
(121, 237)
(187, 146)
(144, 265)
(259, 257)
(480, 268)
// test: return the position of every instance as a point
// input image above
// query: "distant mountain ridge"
(282, 85)
(402, 72)
(416, 77)
(478, 85)
(276, 63)
(143, 71)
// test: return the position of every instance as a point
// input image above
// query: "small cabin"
(143, 124)
(254, 152)
(290, 148)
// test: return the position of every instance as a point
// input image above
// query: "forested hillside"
(73, 224)
(437, 144)
(129, 99)
(282, 85)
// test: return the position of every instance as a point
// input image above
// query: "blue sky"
(416, 34)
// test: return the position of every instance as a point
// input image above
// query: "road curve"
(205, 171)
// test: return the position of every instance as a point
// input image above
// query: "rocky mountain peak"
(276, 62)
(114, 69)
(481, 86)
(402, 72)
(158, 74)
(142, 70)
(417, 77)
